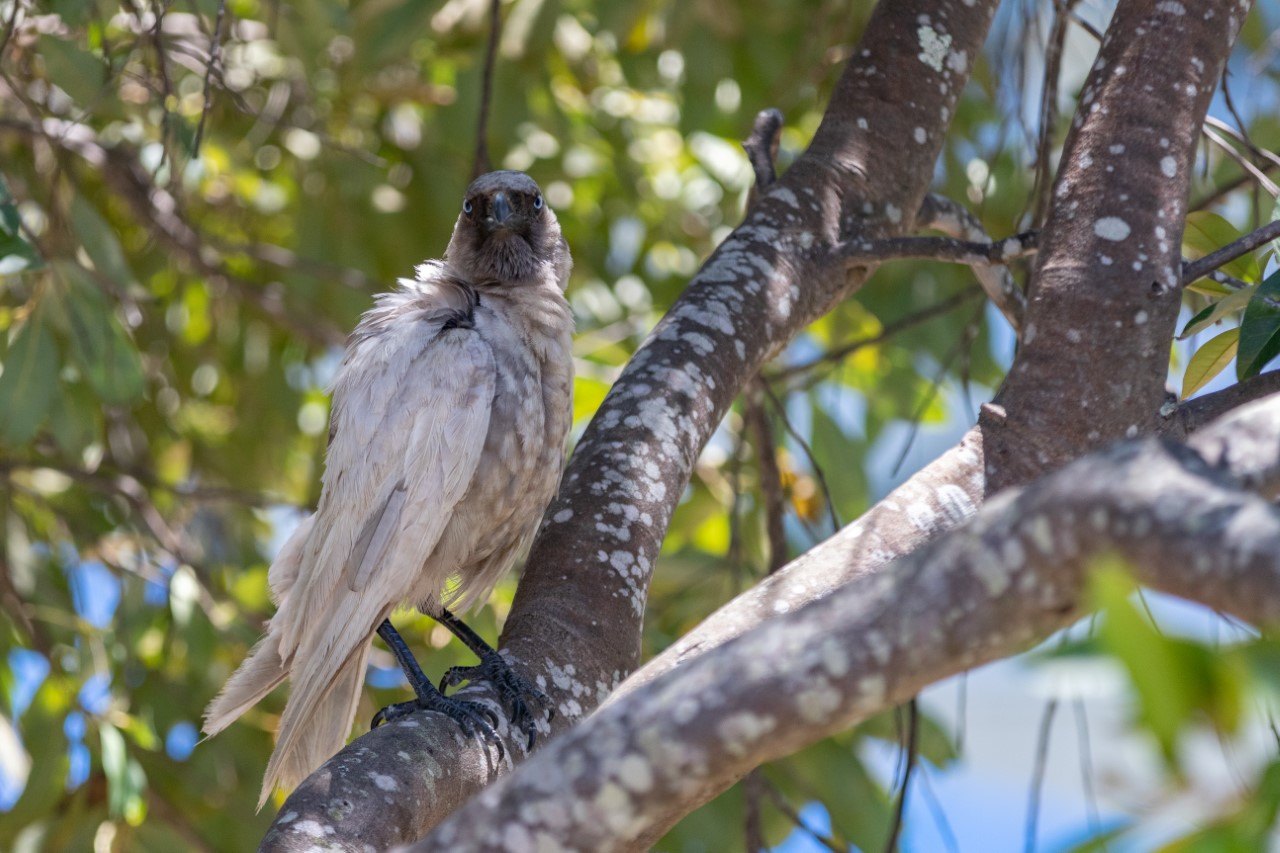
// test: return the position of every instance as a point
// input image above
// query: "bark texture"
(575, 626)
(1194, 521)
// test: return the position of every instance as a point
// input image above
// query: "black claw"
(476, 720)
(516, 692)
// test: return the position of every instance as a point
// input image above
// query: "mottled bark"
(1102, 383)
(575, 626)
(1188, 520)
(1106, 290)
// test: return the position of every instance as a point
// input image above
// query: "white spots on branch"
(1171, 7)
(955, 503)
(894, 213)
(991, 573)
(933, 46)
(958, 61)
(1168, 166)
(740, 731)
(1074, 336)
(920, 136)
(312, 829)
(835, 660)
(1131, 431)
(562, 516)
(634, 773)
(862, 123)
(818, 701)
(384, 782)
(1112, 228)
(1140, 318)
(1105, 260)
(785, 195)
(1116, 149)
(1086, 161)
(1164, 142)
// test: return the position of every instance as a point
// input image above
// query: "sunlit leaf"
(1210, 360)
(1206, 232)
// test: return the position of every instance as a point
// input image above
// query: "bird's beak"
(501, 209)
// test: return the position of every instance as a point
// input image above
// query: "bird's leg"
(516, 691)
(475, 719)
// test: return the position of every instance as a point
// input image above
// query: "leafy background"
(182, 253)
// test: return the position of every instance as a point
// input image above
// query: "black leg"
(517, 692)
(475, 719)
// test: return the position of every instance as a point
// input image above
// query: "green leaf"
(29, 380)
(75, 418)
(1161, 685)
(77, 72)
(1206, 232)
(99, 344)
(1236, 300)
(1260, 329)
(1210, 360)
(99, 241)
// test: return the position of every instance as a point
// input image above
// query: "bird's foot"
(516, 692)
(475, 720)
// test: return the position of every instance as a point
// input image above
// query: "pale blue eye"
(537, 202)
(466, 207)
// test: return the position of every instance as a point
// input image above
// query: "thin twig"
(1197, 269)
(10, 27)
(1049, 108)
(215, 55)
(900, 809)
(1258, 175)
(808, 452)
(1084, 745)
(889, 330)
(753, 785)
(756, 419)
(1037, 773)
(481, 164)
(955, 220)
(971, 252)
(762, 150)
(781, 804)
(940, 820)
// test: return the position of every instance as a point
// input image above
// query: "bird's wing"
(411, 408)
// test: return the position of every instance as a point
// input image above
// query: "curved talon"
(476, 720)
(515, 692)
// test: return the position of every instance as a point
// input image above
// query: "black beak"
(501, 209)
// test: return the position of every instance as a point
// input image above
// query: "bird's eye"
(466, 206)
(537, 202)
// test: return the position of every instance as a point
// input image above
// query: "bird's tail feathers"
(261, 671)
(327, 677)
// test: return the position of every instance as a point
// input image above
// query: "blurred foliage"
(170, 316)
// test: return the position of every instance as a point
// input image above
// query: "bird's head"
(506, 232)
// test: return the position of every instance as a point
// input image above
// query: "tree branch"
(955, 220)
(1184, 519)
(576, 623)
(1197, 269)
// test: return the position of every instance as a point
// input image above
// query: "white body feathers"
(450, 413)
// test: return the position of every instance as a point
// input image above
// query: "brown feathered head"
(506, 233)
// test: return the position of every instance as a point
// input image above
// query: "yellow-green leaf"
(1209, 361)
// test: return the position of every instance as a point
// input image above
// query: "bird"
(449, 417)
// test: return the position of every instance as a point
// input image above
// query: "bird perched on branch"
(446, 443)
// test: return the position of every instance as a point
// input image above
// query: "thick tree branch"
(1106, 285)
(949, 491)
(576, 622)
(1186, 520)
